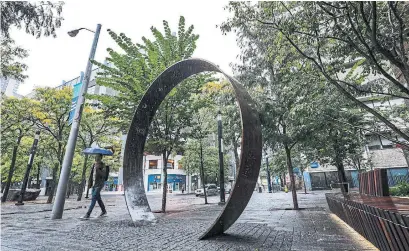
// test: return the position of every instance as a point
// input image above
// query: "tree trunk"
(341, 171)
(165, 181)
(87, 194)
(30, 179)
(11, 170)
(68, 193)
(54, 184)
(71, 185)
(282, 180)
(55, 172)
(290, 172)
(38, 176)
(303, 181)
(82, 184)
(202, 172)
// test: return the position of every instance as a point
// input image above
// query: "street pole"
(58, 207)
(268, 176)
(29, 165)
(221, 169)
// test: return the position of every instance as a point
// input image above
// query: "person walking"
(97, 182)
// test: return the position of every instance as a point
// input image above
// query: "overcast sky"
(53, 60)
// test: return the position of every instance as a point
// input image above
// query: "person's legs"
(93, 201)
(100, 202)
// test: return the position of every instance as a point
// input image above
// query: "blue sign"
(75, 94)
(314, 165)
(172, 178)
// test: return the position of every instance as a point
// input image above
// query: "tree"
(292, 96)
(281, 86)
(337, 36)
(52, 117)
(38, 19)
(96, 124)
(133, 71)
(200, 158)
(340, 140)
(224, 100)
(169, 128)
(11, 66)
(16, 123)
(279, 164)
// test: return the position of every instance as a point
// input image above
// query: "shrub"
(402, 189)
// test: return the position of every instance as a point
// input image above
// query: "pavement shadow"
(236, 238)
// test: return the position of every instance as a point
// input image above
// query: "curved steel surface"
(250, 157)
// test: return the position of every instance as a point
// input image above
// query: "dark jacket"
(99, 177)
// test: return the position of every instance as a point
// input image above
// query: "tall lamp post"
(221, 169)
(58, 207)
(29, 165)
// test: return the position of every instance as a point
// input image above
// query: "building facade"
(177, 178)
(9, 87)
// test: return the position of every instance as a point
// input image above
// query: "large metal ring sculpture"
(250, 157)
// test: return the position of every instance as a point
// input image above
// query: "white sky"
(53, 60)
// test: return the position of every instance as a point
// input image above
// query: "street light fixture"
(58, 207)
(73, 33)
(221, 169)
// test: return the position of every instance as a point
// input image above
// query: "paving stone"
(259, 228)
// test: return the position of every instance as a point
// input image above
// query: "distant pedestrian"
(97, 181)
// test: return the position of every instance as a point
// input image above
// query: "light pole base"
(221, 203)
(19, 204)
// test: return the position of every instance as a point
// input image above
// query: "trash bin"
(260, 190)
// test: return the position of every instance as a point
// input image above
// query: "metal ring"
(250, 157)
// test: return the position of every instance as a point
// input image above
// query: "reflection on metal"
(250, 158)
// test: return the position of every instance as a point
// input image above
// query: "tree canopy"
(37, 19)
(337, 38)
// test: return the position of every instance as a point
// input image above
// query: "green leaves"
(11, 67)
(191, 159)
(130, 71)
(38, 19)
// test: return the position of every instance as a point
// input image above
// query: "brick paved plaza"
(264, 225)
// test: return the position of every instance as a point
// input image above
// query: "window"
(180, 165)
(153, 164)
(170, 164)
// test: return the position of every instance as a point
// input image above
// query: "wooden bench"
(381, 219)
